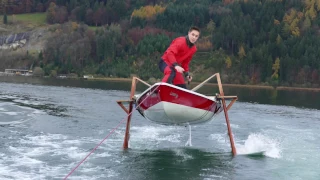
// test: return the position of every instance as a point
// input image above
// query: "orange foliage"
(204, 44)
(292, 21)
(226, 2)
(300, 15)
(147, 12)
(74, 26)
(228, 62)
(289, 17)
(311, 7)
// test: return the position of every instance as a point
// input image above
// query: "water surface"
(46, 129)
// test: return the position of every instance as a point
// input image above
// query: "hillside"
(247, 41)
(22, 39)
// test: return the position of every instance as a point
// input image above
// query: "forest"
(270, 42)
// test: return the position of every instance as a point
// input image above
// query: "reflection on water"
(178, 163)
(29, 102)
(306, 99)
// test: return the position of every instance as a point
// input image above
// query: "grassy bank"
(93, 28)
(110, 79)
(298, 89)
(30, 19)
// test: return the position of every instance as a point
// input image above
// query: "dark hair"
(194, 28)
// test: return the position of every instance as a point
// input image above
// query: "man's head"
(193, 34)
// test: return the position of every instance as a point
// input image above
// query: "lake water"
(48, 126)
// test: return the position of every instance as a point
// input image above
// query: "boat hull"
(171, 105)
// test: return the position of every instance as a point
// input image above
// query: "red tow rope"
(107, 136)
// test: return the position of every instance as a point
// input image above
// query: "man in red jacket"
(175, 61)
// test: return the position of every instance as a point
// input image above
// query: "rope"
(109, 134)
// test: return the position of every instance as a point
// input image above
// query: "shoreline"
(228, 85)
(283, 88)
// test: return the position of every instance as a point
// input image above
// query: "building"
(22, 72)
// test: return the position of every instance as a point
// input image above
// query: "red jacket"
(179, 52)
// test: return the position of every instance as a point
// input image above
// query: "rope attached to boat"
(110, 133)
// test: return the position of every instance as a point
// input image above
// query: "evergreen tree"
(5, 18)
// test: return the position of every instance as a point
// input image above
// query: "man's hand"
(179, 69)
(189, 78)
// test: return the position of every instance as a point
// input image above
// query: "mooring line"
(110, 133)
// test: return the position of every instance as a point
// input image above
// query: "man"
(175, 61)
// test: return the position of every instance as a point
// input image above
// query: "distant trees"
(260, 34)
(26, 6)
(153, 43)
(69, 49)
(51, 13)
(108, 46)
(56, 14)
(179, 18)
(252, 41)
(136, 34)
(3, 8)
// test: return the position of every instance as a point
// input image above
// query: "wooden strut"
(129, 111)
(220, 96)
(225, 108)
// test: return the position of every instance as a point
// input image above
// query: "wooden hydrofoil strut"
(220, 96)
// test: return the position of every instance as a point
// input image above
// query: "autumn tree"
(69, 48)
(147, 12)
(292, 20)
(275, 68)
(311, 9)
(204, 44)
(61, 14)
(98, 16)
(28, 5)
(226, 2)
(242, 52)
(276, 22)
(228, 62)
(211, 26)
(51, 14)
(278, 40)
(306, 23)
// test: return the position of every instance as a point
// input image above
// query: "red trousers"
(171, 75)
